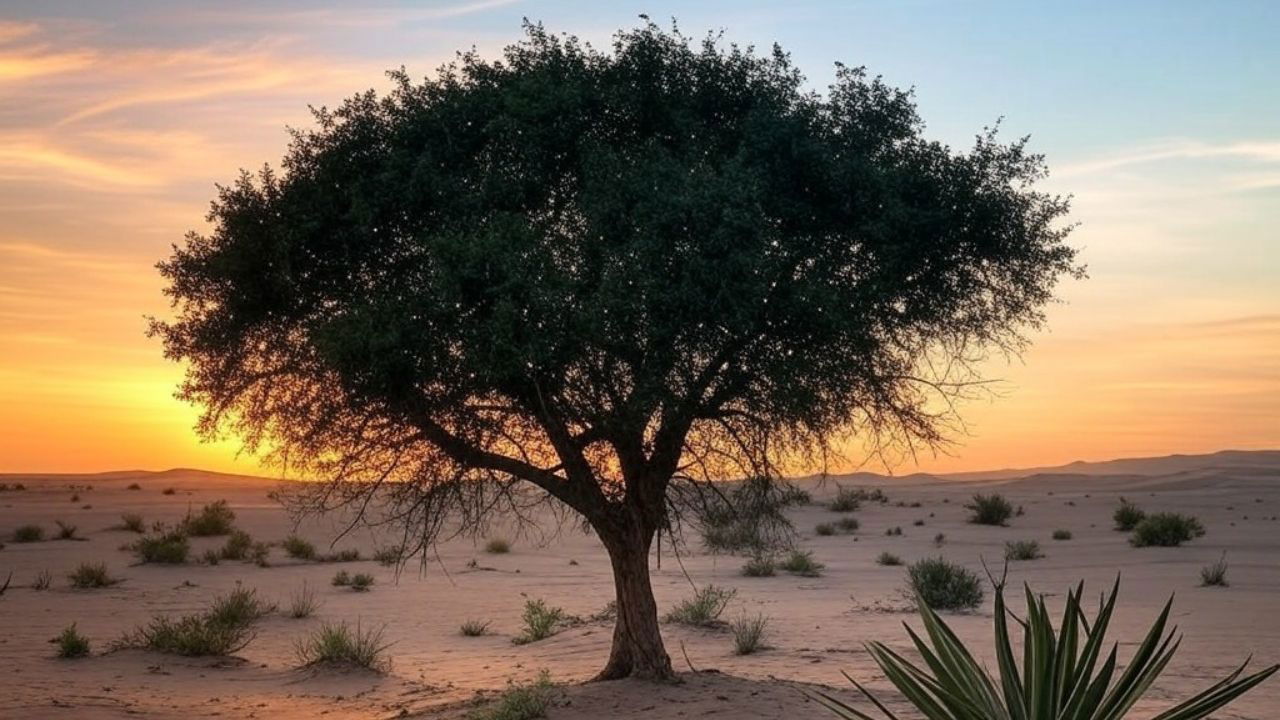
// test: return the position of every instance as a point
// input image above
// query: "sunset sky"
(117, 118)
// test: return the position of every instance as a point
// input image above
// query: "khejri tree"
(595, 274)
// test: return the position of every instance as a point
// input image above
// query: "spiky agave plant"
(1060, 678)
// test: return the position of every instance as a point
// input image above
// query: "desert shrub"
(361, 582)
(990, 509)
(1062, 535)
(342, 578)
(239, 607)
(43, 580)
(91, 575)
(133, 486)
(28, 533)
(704, 608)
(893, 531)
(389, 555)
(65, 531)
(888, 559)
(1127, 516)
(132, 522)
(192, 635)
(749, 634)
(75, 497)
(1166, 530)
(801, 562)
(474, 628)
(762, 565)
(825, 529)
(211, 557)
(607, 613)
(348, 555)
(497, 546)
(1022, 550)
(1215, 575)
(521, 702)
(791, 495)
(846, 500)
(168, 491)
(166, 548)
(540, 621)
(298, 549)
(258, 553)
(303, 602)
(847, 524)
(749, 519)
(944, 585)
(216, 518)
(71, 644)
(340, 644)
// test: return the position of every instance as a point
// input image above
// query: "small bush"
(168, 548)
(990, 509)
(474, 628)
(71, 644)
(341, 645)
(91, 575)
(258, 553)
(348, 555)
(846, 500)
(1022, 550)
(132, 522)
(43, 580)
(888, 559)
(540, 622)
(825, 529)
(388, 556)
(748, 634)
(704, 608)
(1127, 516)
(239, 607)
(237, 546)
(192, 635)
(944, 585)
(1166, 530)
(28, 533)
(801, 562)
(211, 557)
(133, 486)
(894, 531)
(341, 578)
(65, 531)
(750, 519)
(361, 582)
(760, 566)
(298, 549)
(1062, 535)
(303, 603)
(168, 491)
(521, 702)
(213, 519)
(847, 525)
(497, 546)
(792, 495)
(1215, 575)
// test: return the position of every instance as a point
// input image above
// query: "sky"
(118, 118)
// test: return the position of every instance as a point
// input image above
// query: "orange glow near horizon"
(109, 148)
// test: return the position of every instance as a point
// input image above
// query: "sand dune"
(817, 624)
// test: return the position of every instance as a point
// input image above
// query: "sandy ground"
(817, 625)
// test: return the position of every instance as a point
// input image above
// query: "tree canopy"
(598, 271)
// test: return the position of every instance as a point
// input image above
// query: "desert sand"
(817, 625)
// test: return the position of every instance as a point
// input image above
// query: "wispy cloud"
(1260, 151)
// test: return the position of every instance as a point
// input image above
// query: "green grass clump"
(71, 644)
(474, 628)
(1127, 516)
(760, 565)
(225, 628)
(27, 533)
(165, 548)
(1022, 550)
(704, 608)
(303, 602)
(801, 562)
(342, 578)
(361, 582)
(944, 585)
(497, 546)
(213, 519)
(1166, 530)
(749, 634)
(132, 522)
(1215, 575)
(540, 621)
(237, 546)
(239, 607)
(1062, 535)
(888, 559)
(298, 549)
(990, 509)
(340, 644)
(521, 702)
(91, 575)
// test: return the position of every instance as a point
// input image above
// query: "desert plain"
(816, 625)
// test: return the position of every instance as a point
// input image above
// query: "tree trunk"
(637, 642)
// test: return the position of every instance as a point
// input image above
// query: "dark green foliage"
(71, 644)
(990, 509)
(298, 549)
(213, 519)
(704, 608)
(239, 607)
(801, 562)
(91, 575)
(1060, 677)
(341, 644)
(225, 628)
(1127, 516)
(1166, 530)
(168, 548)
(751, 518)
(28, 533)
(944, 585)
(521, 702)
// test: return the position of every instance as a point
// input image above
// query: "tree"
(599, 273)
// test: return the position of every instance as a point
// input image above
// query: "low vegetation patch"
(541, 621)
(847, 525)
(27, 533)
(825, 529)
(761, 565)
(341, 644)
(1022, 550)
(43, 580)
(521, 702)
(749, 519)
(704, 608)
(225, 628)
(888, 559)
(944, 585)
(497, 546)
(132, 522)
(298, 549)
(1127, 516)
(237, 546)
(66, 531)
(213, 519)
(991, 509)
(342, 578)
(303, 602)
(165, 548)
(389, 555)
(1215, 575)
(749, 634)
(91, 575)
(1166, 530)
(801, 562)
(71, 644)
(474, 628)
(1062, 535)
(348, 555)
(361, 582)
(894, 531)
